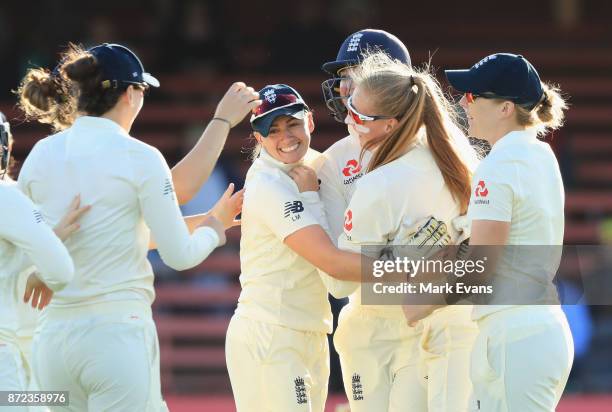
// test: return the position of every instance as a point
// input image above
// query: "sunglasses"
(281, 100)
(360, 118)
(471, 97)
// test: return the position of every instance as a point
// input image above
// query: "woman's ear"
(310, 120)
(391, 125)
(258, 137)
(131, 95)
(507, 109)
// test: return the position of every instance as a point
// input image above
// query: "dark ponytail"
(95, 97)
(75, 86)
(46, 98)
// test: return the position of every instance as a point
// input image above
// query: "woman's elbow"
(179, 264)
(334, 269)
(184, 194)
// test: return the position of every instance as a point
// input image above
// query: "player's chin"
(294, 156)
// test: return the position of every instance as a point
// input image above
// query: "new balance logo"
(168, 189)
(293, 208)
(38, 217)
(300, 391)
(357, 388)
(270, 95)
(354, 42)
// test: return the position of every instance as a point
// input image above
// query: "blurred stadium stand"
(199, 48)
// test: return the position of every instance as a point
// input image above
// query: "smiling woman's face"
(288, 139)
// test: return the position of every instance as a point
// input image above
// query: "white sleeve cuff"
(311, 197)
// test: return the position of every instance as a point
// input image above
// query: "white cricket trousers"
(521, 360)
(445, 346)
(276, 369)
(12, 373)
(105, 354)
(380, 358)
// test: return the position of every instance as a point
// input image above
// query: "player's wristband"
(221, 119)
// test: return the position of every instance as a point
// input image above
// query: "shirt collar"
(514, 137)
(99, 123)
(266, 159)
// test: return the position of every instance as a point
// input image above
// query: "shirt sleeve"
(331, 196)
(23, 225)
(177, 248)
(281, 207)
(368, 219)
(338, 288)
(312, 200)
(493, 192)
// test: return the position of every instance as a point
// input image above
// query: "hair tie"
(413, 85)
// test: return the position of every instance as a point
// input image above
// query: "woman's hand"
(228, 207)
(37, 291)
(305, 178)
(69, 223)
(239, 100)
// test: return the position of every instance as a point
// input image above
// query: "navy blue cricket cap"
(509, 76)
(351, 51)
(121, 65)
(277, 100)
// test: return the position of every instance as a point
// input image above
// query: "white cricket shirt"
(129, 186)
(338, 169)
(278, 285)
(520, 182)
(408, 189)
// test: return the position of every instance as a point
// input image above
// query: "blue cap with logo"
(277, 100)
(505, 75)
(120, 65)
(351, 51)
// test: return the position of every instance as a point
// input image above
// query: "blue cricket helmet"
(353, 47)
(351, 54)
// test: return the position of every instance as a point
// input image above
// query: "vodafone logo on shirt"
(348, 220)
(352, 168)
(481, 189)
